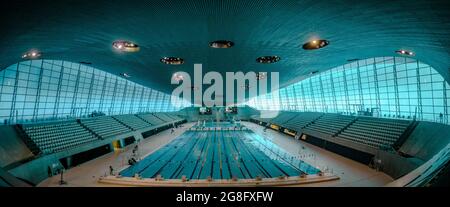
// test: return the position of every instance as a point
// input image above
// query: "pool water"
(219, 155)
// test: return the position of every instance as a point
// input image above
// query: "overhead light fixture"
(177, 77)
(125, 46)
(261, 75)
(172, 60)
(268, 59)
(313, 72)
(315, 44)
(221, 44)
(126, 75)
(405, 52)
(32, 54)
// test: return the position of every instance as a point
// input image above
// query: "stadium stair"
(90, 130)
(405, 135)
(328, 124)
(105, 126)
(27, 140)
(126, 125)
(151, 119)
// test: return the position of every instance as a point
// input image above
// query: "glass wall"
(388, 87)
(40, 90)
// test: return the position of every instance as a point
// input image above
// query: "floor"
(88, 173)
(351, 173)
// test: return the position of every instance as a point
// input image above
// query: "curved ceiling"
(84, 30)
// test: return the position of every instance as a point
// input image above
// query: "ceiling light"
(268, 59)
(315, 44)
(32, 54)
(221, 44)
(172, 60)
(126, 75)
(125, 46)
(404, 52)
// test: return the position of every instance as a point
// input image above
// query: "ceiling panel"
(84, 31)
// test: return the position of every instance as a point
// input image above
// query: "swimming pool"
(219, 154)
(209, 124)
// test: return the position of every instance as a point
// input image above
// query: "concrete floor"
(351, 173)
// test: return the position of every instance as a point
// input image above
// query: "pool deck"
(220, 155)
(282, 181)
(350, 173)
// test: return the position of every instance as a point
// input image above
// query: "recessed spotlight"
(221, 44)
(172, 60)
(268, 59)
(404, 52)
(313, 72)
(315, 44)
(352, 60)
(126, 75)
(177, 77)
(32, 54)
(125, 46)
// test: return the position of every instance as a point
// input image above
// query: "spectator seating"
(174, 117)
(150, 118)
(329, 124)
(58, 136)
(163, 117)
(132, 121)
(375, 132)
(105, 126)
(283, 117)
(302, 120)
(55, 137)
(258, 118)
